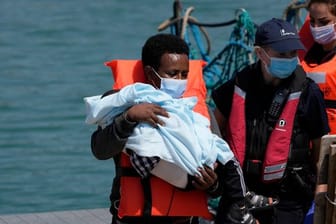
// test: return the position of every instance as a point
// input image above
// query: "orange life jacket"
(127, 72)
(165, 199)
(323, 74)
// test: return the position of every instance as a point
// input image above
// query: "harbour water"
(51, 56)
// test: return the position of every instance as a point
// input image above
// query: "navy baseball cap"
(279, 35)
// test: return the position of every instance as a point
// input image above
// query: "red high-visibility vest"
(278, 145)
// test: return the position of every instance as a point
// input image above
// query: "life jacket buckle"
(116, 204)
(253, 167)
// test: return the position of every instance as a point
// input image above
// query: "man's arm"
(107, 142)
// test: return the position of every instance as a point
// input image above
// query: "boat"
(235, 55)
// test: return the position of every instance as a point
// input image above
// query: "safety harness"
(272, 140)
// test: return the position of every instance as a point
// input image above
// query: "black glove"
(257, 202)
(238, 213)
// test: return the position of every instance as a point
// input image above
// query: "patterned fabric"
(143, 165)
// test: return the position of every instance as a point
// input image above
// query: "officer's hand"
(146, 112)
(207, 179)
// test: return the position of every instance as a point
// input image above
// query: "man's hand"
(146, 112)
(207, 179)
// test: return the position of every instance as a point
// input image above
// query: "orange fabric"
(306, 38)
(324, 74)
(127, 72)
(167, 200)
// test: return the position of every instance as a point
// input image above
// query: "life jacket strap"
(146, 185)
(330, 104)
(147, 212)
(126, 171)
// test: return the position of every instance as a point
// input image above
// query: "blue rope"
(237, 54)
(293, 11)
(197, 36)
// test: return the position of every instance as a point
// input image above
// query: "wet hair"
(158, 45)
(331, 4)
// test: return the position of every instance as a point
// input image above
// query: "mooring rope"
(236, 54)
(197, 28)
(293, 12)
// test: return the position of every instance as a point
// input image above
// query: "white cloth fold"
(185, 140)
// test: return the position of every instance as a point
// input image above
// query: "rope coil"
(236, 54)
(329, 200)
(293, 12)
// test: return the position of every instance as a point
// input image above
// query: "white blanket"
(185, 140)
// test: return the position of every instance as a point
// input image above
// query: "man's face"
(265, 54)
(174, 66)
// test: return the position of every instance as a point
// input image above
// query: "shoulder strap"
(300, 78)
(298, 83)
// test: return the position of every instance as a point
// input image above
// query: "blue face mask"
(282, 67)
(173, 87)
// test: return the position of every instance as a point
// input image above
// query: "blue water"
(51, 56)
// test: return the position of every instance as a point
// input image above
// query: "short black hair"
(160, 44)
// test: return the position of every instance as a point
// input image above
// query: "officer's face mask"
(173, 87)
(281, 67)
(323, 34)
